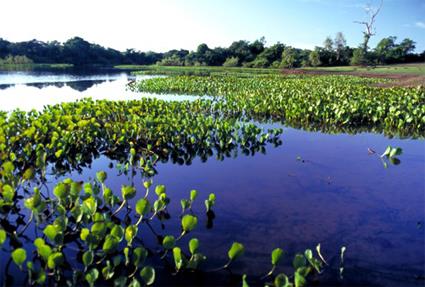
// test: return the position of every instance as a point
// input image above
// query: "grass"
(410, 69)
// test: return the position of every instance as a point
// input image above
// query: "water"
(314, 188)
(29, 90)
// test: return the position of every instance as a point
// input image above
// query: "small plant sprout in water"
(390, 155)
(341, 266)
(275, 258)
(187, 203)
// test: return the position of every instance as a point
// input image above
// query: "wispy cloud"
(420, 24)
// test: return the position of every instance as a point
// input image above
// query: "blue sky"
(161, 25)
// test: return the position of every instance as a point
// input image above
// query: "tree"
(231, 62)
(369, 25)
(314, 58)
(340, 43)
(328, 44)
(288, 58)
(358, 58)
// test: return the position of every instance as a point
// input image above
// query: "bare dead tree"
(369, 24)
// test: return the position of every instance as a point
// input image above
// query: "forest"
(242, 53)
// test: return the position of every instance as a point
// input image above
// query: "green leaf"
(193, 245)
(148, 275)
(244, 283)
(128, 192)
(60, 191)
(160, 189)
(92, 276)
(90, 204)
(55, 260)
(276, 256)
(387, 151)
(101, 176)
(51, 231)
(189, 222)
(130, 233)
(88, 257)
(299, 280)
(299, 261)
(236, 251)
(193, 194)
(185, 204)
(395, 151)
(313, 261)
(118, 232)
(282, 280)
(19, 256)
(142, 207)
(147, 184)
(169, 242)
(139, 256)
(44, 251)
(134, 283)
(3, 236)
(110, 245)
(84, 233)
(178, 258)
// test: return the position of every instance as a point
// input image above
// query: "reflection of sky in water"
(34, 93)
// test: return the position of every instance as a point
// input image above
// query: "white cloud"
(420, 24)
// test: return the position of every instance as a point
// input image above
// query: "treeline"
(334, 52)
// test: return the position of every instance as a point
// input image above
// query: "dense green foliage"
(15, 60)
(338, 101)
(78, 51)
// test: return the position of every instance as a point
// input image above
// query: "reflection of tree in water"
(45, 85)
(81, 86)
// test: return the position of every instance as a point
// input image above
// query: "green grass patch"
(414, 69)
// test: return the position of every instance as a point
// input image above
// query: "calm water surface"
(29, 90)
(314, 188)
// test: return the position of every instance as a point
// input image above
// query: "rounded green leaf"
(282, 280)
(236, 251)
(189, 222)
(178, 257)
(55, 260)
(147, 184)
(160, 189)
(51, 232)
(88, 257)
(101, 176)
(139, 255)
(193, 245)
(110, 245)
(148, 275)
(168, 242)
(276, 255)
(118, 232)
(142, 207)
(92, 276)
(128, 192)
(130, 233)
(193, 194)
(299, 261)
(19, 256)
